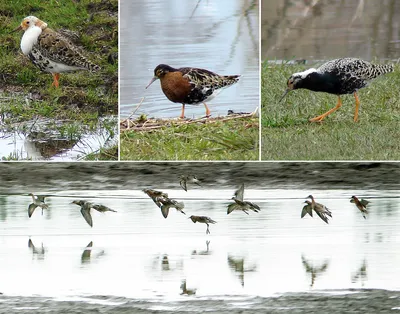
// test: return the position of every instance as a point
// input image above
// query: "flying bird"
(240, 204)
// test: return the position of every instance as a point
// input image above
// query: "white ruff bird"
(50, 51)
(38, 201)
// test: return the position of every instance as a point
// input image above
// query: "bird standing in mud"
(361, 205)
(339, 77)
(87, 206)
(191, 86)
(184, 180)
(204, 220)
(38, 201)
(240, 204)
(50, 51)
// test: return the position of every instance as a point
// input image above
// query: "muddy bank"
(22, 177)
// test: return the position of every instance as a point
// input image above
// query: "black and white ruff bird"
(339, 77)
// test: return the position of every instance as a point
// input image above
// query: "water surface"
(220, 36)
(136, 257)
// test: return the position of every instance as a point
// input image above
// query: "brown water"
(296, 29)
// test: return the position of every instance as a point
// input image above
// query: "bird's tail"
(383, 68)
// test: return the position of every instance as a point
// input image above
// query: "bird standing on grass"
(191, 86)
(50, 51)
(339, 77)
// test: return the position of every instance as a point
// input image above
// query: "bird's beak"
(19, 28)
(286, 92)
(152, 81)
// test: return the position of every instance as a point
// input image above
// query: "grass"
(227, 140)
(82, 97)
(287, 134)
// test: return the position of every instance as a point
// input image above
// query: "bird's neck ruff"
(30, 38)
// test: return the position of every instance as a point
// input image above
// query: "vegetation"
(26, 92)
(288, 135)
(235, 139)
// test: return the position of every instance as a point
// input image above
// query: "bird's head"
(295, 81)
(30, 21)
(159, 72)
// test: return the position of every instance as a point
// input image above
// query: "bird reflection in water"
(314, 270)
(36, 252)
(237, 265)
(203, 252)
(86, 256)
(185, 290)
(360, 274)
(165, 263)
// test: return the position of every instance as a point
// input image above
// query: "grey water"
(220, 36)
(135, 259)
(323, 30)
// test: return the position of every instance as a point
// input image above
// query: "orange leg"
(208, 112)
(56, 77)
(322, 116)
(183, 112)
(357, 107)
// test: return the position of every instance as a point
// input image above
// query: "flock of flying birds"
(163, 202)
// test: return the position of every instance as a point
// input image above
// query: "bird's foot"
(317, 119)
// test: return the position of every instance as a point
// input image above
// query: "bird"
(204, 220)
(50, 51)
(240, 204)
(87, 206)
(38, 201)
(321, 210)
(361, 205)
(191, 86)
(185, 179)
(339, 77)
(167, 203)
(155, 195)
(307, 209)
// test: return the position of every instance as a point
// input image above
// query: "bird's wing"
(88, 217)
(255, 207)
(306, 210)
(183, 184)
(57, 48)
(322, 216)
(364, 202)
(102, 208)
(232, 207)
(164, 210)
(31, 209)
(239, 192)
(41, 197)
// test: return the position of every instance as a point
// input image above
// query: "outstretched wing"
(88, 217)
(31, 209)
(183, 184)
(306, 210)
(240, 192)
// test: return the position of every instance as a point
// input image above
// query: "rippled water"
(137, 257)
(299, 29)
(221, 36)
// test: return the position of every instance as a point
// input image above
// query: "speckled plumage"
(191, 86)
(50, 51)
(339, 76)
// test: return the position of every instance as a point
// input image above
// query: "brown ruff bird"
(321, 210)
(50, 51)
(191, 86)
(87, 206)
(240, 204)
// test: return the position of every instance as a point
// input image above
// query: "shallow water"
(44, 144)
(139, 259)
(214, 35)
(330, 29)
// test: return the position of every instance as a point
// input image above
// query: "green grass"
(287, 134)
(82, 97)
(227, 140)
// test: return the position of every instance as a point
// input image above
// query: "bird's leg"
(357, 107)
(208, 112)
(207, 231)
(56, 77)
(322, 116)
(183, 112)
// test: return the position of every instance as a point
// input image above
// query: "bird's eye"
(27, 22)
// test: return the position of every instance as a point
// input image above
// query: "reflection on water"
(220, 36)
(261, 254)
(330, 29)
